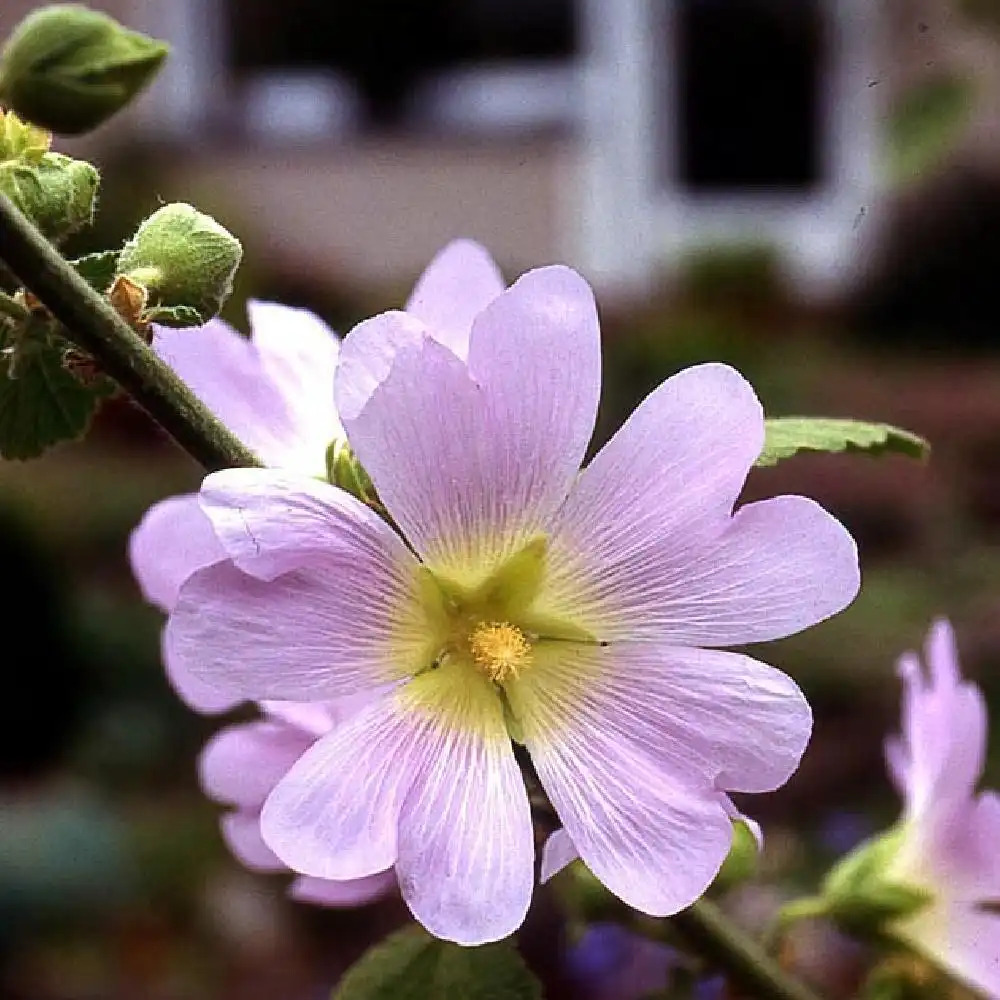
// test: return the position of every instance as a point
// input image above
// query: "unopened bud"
(186, 262)
(68, 68)
(56, 192)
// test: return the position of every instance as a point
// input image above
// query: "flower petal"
(298, 355)
(940, 756)
(192, 690)
(335, 814)
(558, 852)
(973, 948)
(633, 744)
(432, 761)
(961, 938)
(343, 616)
(271, 522)
(955, 848)
(459, 283)
(466, 845)
(897, 762)
(241, 832)
(241, 764)
(472, 462)
(980, 857)
(316, 718)
(172, 541)
(224, 370)
(346, 894)
(646, 546)
(315, 634)
(367, 356)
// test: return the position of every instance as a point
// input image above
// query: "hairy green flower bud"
(57, 193)
(186, 262)
(68, 68)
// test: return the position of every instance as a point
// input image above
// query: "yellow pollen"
(500, 650)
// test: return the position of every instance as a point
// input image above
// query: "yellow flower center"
(500, 650)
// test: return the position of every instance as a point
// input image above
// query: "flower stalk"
(93, 326)
(712, 935)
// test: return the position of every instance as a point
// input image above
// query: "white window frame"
(194, 86)
(634, 226)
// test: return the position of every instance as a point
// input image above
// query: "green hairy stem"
(94, 327)
(711, 934)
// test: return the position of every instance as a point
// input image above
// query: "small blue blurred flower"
(610, 963)
(711, 989)
(843, 830)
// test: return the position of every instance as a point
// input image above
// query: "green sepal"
(344, 470)
(68, 68)
(787, 436)
(741, 861)
(859, 896)
(97, 269)
(42, 402)
(412, 965)
(179, 317)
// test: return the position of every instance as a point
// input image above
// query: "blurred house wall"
(376, 210)
(329, 196)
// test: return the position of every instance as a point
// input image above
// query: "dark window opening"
(749, 77)
(388, 47)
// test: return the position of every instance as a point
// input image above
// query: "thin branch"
(723, 945)
(93, 326)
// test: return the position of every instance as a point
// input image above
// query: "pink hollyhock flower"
(240, 766)
(579, 613)
(948, 840)
(274, 391)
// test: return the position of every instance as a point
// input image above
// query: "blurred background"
(808, 189)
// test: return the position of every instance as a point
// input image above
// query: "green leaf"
(97, 269)
(41, 401)
(412, 965)
(926, 124)
(787, 436)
